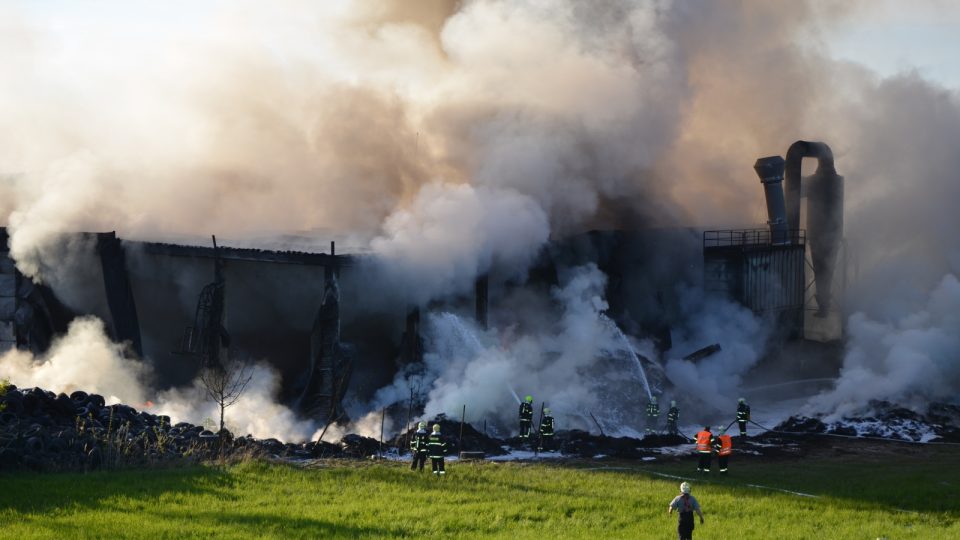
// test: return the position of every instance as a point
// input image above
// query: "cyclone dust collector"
(766, 269)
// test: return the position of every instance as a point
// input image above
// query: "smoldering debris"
(472, 439)
(939, 423)
(42, 430)
(358, 446)
(577, 443)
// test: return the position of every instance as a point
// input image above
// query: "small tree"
(225, 383)
(4, 386)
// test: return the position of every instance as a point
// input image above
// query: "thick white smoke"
(576, 364)
(256, 412)
(714, 381)
(85, 359)
(245, 120)
(452, 233)
(903, 257)
(456, 138)
(909, 360)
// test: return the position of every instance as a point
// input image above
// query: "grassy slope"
(913, 497)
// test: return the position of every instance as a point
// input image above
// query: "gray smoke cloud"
(910, 360)
(85, 359)
(577, 363)
(904, 258)
(452, 233)
(713, 383)
(456, 138)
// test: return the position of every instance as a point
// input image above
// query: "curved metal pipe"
(795, 154)
(824, 211)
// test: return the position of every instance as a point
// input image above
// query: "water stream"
(629, 348)
(463, 332)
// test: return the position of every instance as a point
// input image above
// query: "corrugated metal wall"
(765, 278)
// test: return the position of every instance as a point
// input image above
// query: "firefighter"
(673, 416)
(418, 446)
(526, 418)
(653, 415)
(436, 448)
(743, 416)
(704, 449)
(685, 505)
(546, 430)
(724, 447)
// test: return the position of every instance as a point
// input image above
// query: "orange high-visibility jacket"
(703, 441)
(726, 445)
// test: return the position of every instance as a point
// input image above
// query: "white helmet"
(673, 403)
(741, 400)
(685, 487)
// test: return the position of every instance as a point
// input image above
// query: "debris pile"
(41, 430)
(473, 440)
(357, 446)
(887, 421)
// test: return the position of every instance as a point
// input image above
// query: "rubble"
(41, 430)
(358, 446)
(887, 421)
(473, 440)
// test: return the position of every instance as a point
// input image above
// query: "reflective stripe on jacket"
(726, 445)
(546, 426)
(526, 411)
(419, 441)
(743, 412)
(703, 441)
(436, 446)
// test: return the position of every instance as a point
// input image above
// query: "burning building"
(183, 307)
(614, 134)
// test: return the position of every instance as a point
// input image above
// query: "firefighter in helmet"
(673, 417)
(653, 415)
(437, 448)
(743, 416)
(526, 417)
(418, 446)
(546, 431)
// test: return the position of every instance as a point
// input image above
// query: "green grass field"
(908, 496)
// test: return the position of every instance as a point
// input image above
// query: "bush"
(4, 386)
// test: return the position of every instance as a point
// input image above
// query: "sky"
(889, 36)
(894, 36)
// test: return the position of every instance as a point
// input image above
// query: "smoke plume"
(452, 233)
(453, 139)
(910, 360)
(83, 359)
(576, 364)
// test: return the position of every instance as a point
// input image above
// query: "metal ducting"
(770, 169)
(824, 191)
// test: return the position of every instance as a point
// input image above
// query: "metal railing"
(752, 237)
